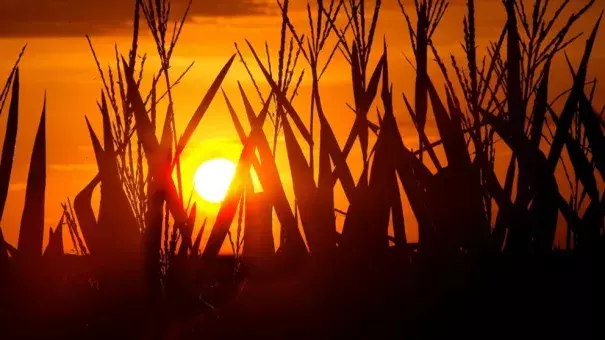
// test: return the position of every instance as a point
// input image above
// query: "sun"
(212, 179)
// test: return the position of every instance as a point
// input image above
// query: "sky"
(58, 61)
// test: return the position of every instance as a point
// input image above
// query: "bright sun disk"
(212, 179)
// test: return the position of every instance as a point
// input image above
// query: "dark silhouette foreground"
(485, 264)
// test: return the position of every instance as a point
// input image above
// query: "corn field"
(141, 270)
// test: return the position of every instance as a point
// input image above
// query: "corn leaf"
(541, 179)
(382, 179)
(236, 189)
(203, 107)
(198, 239)
(516, 108)
(451, 134)
(594, 134)
(55, 240)
(582, 168)
(85, 215)
(240, 130)
(363, 102)
(341, 168)
(269, 177)
(325, 195)
(413, 174)
(108, 139)
(10, 140)
(117, 224)
(540, 107)
(32, 220)
(397, 212)
(305, 190)
(422, 134)
(566, 118)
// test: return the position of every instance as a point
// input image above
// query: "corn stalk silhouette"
(502, 97)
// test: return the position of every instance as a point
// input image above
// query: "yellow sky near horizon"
(62, 65)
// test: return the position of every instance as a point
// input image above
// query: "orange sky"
(58, 60)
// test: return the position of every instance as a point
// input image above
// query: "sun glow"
(212, 179)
